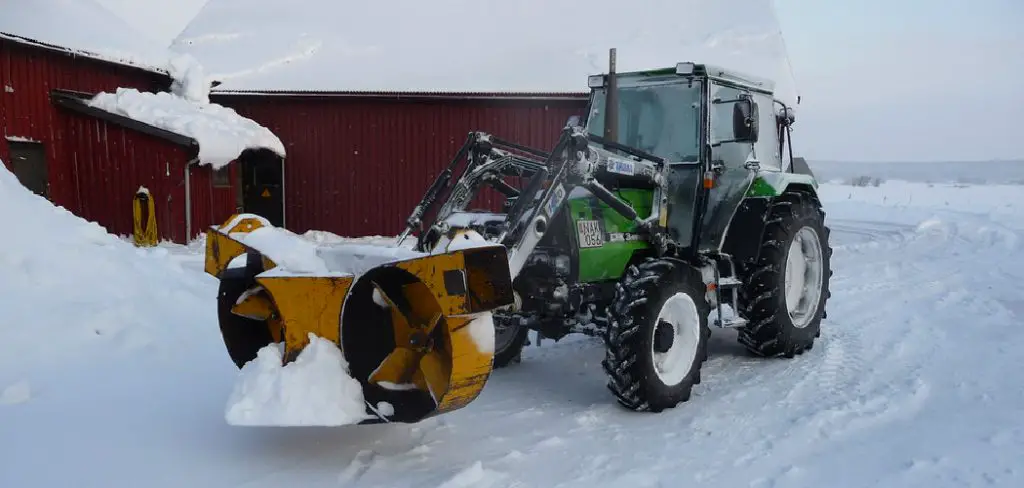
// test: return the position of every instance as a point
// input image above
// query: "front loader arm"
(573, 163)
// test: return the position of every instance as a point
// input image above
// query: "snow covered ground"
(113, 373)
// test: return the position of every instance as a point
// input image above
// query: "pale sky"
(895, 80)
(880, 80)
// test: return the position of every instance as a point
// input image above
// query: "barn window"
(28, 163)
(222, 177)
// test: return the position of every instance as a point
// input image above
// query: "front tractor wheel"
(509, 338)
(657, 335)
(784, 294)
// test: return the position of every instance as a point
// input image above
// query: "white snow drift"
(67, 287)
(221, 132)
(315, 389)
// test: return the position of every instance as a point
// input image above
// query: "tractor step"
(729, 282)
(731, 322)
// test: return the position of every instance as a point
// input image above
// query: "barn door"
(263, 185)
(28, 162)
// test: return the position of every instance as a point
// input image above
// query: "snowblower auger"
(414, 327)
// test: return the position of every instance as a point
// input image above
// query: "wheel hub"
(505, 330)
(803, 277)
(675, 338)
(664, 335)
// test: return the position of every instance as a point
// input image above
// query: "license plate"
(589, 232)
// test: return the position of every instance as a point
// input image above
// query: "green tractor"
(676, 205)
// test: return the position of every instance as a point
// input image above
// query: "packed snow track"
(114, 374)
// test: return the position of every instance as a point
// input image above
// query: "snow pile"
(357, 258)
(84, 27)
(315, 389)
(470, 239)
(221, 132)
(291, 253)
(476, 476)
(320, 254)
(473, 45)
(68, 286)
(190, 81)
(481, 329)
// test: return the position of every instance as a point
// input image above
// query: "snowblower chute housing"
(414, 327)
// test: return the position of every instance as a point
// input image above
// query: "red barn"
(371, 104)
(92, 161)
(359, 162)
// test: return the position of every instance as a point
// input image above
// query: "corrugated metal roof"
(81, 53)
(410, 94)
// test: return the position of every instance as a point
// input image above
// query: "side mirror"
(745, 120)
(574, 121)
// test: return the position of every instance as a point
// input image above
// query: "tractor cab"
(704, 124)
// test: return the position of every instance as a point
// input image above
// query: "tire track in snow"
(841, 390)
(854, 234)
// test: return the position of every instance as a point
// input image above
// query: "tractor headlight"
(684, 68)
(595, 81)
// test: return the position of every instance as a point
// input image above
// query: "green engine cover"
(605, 240)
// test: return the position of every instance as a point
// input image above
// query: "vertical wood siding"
(357, 166)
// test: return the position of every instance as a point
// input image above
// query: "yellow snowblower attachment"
(414, 328)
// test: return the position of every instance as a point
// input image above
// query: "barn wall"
(27, 77)
(211, 203)
(357, 166)
(108, 163)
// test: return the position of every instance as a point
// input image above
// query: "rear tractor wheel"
(657, 335)
(785, 293)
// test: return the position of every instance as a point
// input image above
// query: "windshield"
(656, 117)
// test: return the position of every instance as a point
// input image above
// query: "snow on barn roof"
(472, 46)
(220, 132)
(80, 27)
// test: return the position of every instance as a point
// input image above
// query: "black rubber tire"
(513, 352)
(629, 362)
(770, 332)
(243, 337)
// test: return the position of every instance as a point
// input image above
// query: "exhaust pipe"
(611, 110)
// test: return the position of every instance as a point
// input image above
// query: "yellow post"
(144, 230)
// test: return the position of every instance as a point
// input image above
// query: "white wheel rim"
(803, 277)
(680, 313)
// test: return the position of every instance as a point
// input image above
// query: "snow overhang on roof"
(471, 46)
(82, 28)
(219, 134)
